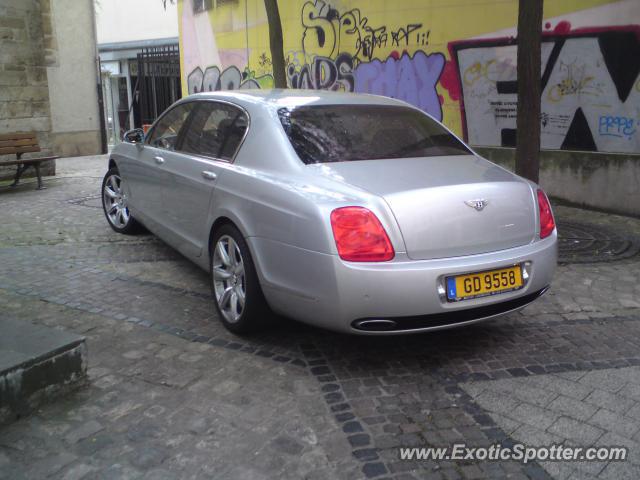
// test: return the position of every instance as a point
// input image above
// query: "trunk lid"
(432, 200)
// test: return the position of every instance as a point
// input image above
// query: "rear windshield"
(342, 133)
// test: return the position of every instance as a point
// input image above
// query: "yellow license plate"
(484, 283)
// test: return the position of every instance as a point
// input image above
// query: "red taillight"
(360, 237)
(547, 223)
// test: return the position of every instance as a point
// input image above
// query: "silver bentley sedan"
(356, 213)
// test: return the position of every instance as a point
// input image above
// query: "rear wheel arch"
(112, 164)
(235, 282)
(226, 220)
(222, 226)
(219, 222)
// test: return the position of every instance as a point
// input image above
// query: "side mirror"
(134, 136)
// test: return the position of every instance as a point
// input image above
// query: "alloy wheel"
(115, 202)
(229, 278)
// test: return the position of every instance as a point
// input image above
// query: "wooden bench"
(17, 144)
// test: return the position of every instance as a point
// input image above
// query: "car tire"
(236, 289)
(114, 205)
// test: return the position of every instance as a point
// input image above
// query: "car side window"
(216, 130)
(166, 132)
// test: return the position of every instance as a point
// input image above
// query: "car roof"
(278, 98)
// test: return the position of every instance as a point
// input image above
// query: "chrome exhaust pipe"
(375, 325)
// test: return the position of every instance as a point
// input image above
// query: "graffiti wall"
(456, 61)
(590, 90)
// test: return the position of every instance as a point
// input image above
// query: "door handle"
(209, 175)
(159, 160)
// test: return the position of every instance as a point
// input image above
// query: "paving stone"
(86, 430)
(78, 471)
(498, 402)
(525, 393)
(564, 386)
(633, 446)
(631, 390)
(534, 415)
(352, 427)
(115, 472)
(572, 408)
(620, 471)
(634, 411)
(471, 472)
(615, 403)
(51, 464)
(148, 457)
(507, 424)
(288, 445)
(573, 376)
(531, 435)
(160, 474)
(4, 459)
(561, 470)
(572, 429)
(374, 469)
(615, 422)
(589, 468)
(359, 440)
(603, 380)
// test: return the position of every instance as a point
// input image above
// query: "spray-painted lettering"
(621, 127)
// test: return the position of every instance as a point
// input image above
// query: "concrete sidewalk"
(37, 364)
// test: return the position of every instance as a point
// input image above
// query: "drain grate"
(587, 243)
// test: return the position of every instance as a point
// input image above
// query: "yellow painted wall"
(405, 50)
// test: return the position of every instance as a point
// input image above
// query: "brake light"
(359, 235)
(547, 223)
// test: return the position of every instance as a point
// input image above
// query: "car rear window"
(342, 133)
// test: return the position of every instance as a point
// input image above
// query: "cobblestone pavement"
(171, 394)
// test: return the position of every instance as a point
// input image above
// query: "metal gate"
(158, 80)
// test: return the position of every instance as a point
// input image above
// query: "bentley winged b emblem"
(477, 204)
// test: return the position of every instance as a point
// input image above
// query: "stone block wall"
(49, 76)
(27, 47)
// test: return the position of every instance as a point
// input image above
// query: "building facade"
(454, 60)
(49, 75)
(138, 47)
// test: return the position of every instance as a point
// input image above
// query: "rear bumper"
(323, 290)
(439, 321)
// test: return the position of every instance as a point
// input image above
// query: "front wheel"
(114, 204)
(236, 290)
